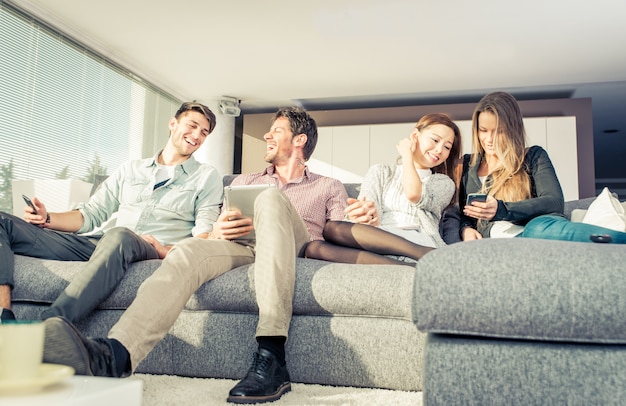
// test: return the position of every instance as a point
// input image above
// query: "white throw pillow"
(606, 211)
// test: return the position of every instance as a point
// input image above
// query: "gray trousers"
(20, 237)
(117, 249)
(108, 259)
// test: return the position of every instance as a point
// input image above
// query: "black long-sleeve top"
(546, 193)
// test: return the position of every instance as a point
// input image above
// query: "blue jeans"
(549, 227)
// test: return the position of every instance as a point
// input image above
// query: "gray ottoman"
(523, 321)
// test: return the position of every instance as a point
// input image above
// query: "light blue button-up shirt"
(187, 205)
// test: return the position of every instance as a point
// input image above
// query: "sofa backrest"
(577, 204)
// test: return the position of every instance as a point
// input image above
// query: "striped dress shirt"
(316, 198)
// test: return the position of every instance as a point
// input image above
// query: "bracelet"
(47, 218)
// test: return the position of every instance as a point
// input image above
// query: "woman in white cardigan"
(396, 217)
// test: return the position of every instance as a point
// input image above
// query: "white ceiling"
(342, 53)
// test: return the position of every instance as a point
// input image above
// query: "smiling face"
(188, 132)
(279, 142)
(433, 145)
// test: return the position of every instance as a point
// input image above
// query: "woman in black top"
(524, 197)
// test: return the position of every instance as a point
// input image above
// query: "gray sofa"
(502, 321)
(523, 322)
(352, 324)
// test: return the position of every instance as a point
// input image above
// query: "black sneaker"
(6, 315)
(266, 380)
(65, 345)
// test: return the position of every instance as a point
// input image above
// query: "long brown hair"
(509, 180)
(447, 167)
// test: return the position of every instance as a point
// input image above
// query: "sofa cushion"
(322, 288)
(524, 289)
(43, 280)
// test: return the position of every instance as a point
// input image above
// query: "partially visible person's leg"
(20, 237)
(371, 239)
(5, 297)
(118, 248)
(6, 313)
(159, 301)
(281, 237)
(335, 253)
(550, 227)
(163, 296)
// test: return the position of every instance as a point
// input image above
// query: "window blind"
(66, 112)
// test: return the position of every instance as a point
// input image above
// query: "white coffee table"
(81, 390)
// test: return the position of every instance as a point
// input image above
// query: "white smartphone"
(242, 198)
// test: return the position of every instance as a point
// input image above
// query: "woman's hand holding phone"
(481, 210)
(475, 197)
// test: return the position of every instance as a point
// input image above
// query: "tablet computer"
(241, 197)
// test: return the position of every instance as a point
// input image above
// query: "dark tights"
(362, 244)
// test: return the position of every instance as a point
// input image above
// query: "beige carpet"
(174, 390)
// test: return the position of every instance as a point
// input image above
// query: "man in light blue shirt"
(156, 202)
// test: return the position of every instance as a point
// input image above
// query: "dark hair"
(300, 122)
(200, 108)
(448, 167)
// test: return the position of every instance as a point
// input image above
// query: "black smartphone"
(600, 238)
(476, 197)
(30, 203)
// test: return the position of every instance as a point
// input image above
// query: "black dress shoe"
(6, 315)
(266, 380)
(65, 345)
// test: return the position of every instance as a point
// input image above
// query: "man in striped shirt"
(286, 218)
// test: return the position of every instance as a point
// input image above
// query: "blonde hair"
(509, 180)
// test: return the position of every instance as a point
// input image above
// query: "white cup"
(21, 349)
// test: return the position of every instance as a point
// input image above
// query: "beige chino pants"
(281, 237)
